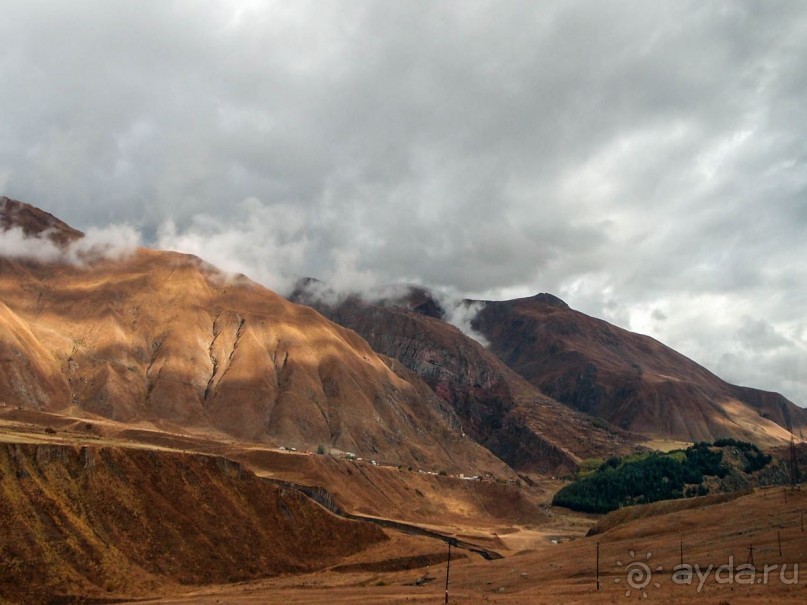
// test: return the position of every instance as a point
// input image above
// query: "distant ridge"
(498, 408)
(630, 380)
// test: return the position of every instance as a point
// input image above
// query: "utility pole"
(795, 479)
(598, 566)
(451, 542)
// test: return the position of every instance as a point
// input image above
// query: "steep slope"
(630, 380)
(33, 221)
(83, 522)
(498, 408)
(162, 338)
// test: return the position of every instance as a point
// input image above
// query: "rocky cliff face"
(630, 380)
(496, 406)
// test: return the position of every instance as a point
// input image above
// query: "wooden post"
(598, 566)
(682, 554)
(448, 566)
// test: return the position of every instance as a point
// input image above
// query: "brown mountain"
(630, 380)
(162, 339)
(498, 408)
(34, 221)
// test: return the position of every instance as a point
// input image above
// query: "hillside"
(497, 407)
(631, 381)
(145, 397)
(639, 548)
(161, 339)
(628, 379)
(89, 521)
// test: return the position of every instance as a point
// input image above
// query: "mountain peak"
(33, 221)
(549, 299)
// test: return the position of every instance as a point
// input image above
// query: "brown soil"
(137, 470)
(356, 486)
(547, 559)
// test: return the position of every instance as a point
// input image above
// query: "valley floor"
(716, 539)
(546, 556)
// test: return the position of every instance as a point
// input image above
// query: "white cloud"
(15, 244)
(111, 242)
(460, 314)
(267, 243)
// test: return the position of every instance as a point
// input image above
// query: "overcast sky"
(645, 161)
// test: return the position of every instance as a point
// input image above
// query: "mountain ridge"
(631, 380)
(497, 406)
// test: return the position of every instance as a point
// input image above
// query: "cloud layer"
(646, 161)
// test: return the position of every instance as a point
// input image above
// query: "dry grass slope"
(108, 521)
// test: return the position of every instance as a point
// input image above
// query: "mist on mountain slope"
(111, 242)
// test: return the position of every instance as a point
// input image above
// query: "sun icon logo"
(638, 575)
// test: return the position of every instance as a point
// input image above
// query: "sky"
(644, 161)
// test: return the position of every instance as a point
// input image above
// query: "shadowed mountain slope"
(498, 408)
(630, 380)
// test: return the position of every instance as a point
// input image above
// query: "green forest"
(654, 476)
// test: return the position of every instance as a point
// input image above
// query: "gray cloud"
(642, 160)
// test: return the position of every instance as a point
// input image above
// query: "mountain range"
(165, 340)
(636, 386)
